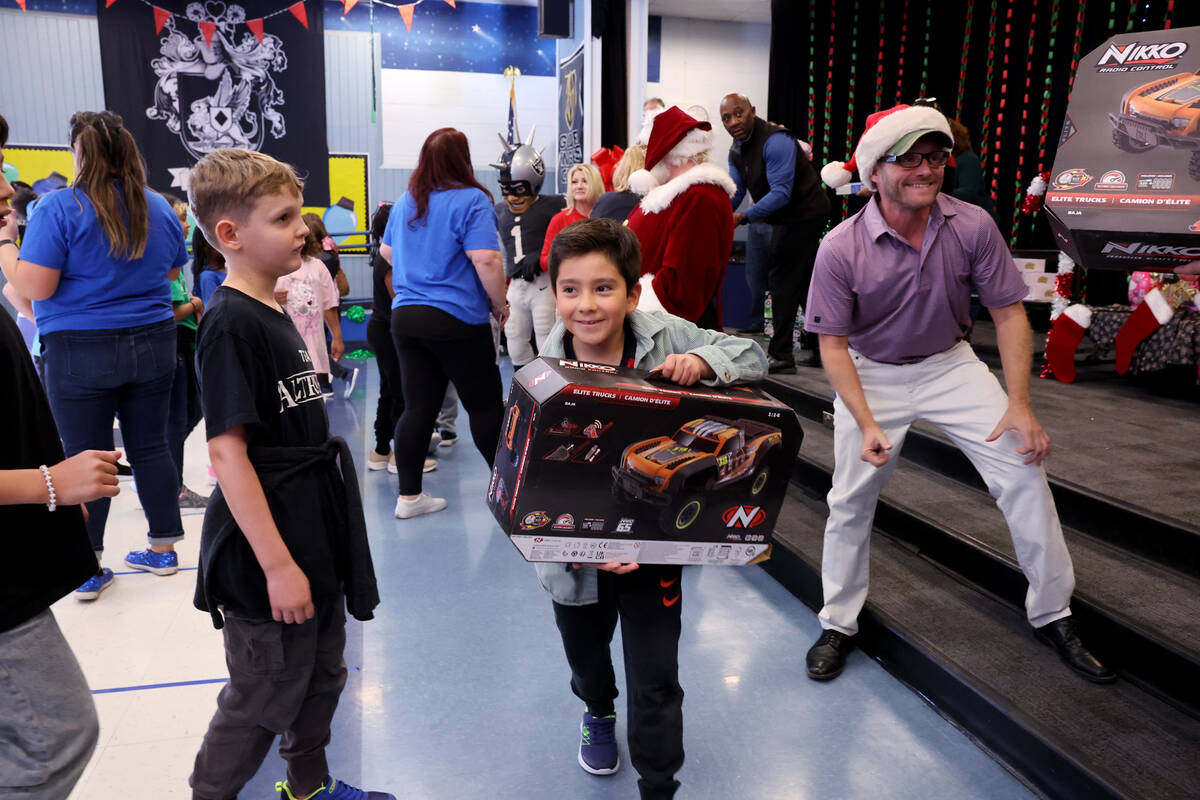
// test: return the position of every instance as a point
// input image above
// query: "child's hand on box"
(685, 369)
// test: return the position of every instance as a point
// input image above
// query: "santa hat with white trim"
(674, 133)
(889, 132)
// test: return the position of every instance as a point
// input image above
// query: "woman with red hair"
(443, 245)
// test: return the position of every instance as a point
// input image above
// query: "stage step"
(1102, 508)
(974, 658)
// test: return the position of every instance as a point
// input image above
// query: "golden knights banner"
(570, 115)
(192, 78)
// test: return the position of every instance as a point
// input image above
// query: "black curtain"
(608, 24)
(870, 35)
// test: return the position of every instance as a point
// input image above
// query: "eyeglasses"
(911, 160)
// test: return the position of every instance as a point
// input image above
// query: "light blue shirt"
(97, 291)
(430, 266)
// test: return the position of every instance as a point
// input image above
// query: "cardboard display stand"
(599, 463)
(1124, 193)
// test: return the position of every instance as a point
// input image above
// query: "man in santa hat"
(890, 298)
(684, 222)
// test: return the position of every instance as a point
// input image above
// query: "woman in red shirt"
(584, 187)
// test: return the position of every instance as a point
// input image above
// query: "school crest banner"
(196, 77)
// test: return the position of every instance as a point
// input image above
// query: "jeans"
(92, 376)
(48, 725)
(185, 410)
(758, 262)
(955, 391)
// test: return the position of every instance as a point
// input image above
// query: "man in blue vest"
(767, 161)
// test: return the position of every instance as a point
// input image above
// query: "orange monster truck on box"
(1162, 113)
(678, 472)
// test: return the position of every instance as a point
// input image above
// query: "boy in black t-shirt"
(284, 541)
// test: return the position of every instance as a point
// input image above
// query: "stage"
(945, 612)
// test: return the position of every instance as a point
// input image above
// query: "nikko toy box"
(598, 463)
(1124, 192)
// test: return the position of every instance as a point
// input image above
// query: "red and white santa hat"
(889, 132)
(674, 133)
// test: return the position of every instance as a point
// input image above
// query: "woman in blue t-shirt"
(97, 260)
(443, 245)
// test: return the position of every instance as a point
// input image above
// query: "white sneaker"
(351, 380)
(424, 504)
(376, 462)
(430, 465)
(434, 441)
(392, 463)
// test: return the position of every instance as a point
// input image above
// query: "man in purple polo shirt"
(890, 299)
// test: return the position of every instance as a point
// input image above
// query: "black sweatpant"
(427, 365)
(284, 679)
(793, 251)
(391, 393)
(648, 602)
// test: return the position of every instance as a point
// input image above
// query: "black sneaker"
(124, 471)
(777, 366)
(448, 439)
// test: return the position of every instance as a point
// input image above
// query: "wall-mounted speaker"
(556, 19)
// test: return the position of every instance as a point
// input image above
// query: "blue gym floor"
(459, 689)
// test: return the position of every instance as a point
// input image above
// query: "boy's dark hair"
(597, 235)
(380, 220)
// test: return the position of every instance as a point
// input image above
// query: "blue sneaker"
(332, 789)
(150, 561)
(94, 585)
(597, 744)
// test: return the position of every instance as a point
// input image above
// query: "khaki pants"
(957, 392)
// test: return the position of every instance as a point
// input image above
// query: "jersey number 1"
(519, 255)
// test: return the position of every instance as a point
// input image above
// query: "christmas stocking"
(1064, 339)
(1154, 312)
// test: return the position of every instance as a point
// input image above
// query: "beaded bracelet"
(53, 504)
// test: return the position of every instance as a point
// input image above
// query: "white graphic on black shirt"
(303, 387)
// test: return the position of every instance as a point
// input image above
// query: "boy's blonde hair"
(227, 183)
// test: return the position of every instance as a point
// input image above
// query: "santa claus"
(684, 222)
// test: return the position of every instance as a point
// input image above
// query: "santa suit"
(685, 227)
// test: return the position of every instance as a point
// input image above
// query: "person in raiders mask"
(523, 217)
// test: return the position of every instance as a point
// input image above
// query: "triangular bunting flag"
(21, 3)
(255, 26)
(208, 29)
(347, 5)
(161, 16)
(406, 13)
(451, 2)
(299, 13)
(109, 3)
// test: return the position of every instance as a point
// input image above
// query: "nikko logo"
(743, 516)
(1134, 54)
(1139, 249)
(539, 379)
